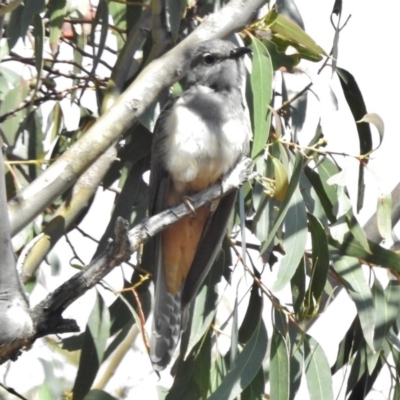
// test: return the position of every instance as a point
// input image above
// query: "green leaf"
(279, 368)
(280, 59)
(193, 373)
(384, 216)
(320, 261)
(351, 272)
(348, 345)
(357, 106)
(252, 316)
(256, 389)
(298, 286)
(378, 255)
(294, 241)
(245, 367)
(318, 374)
(101, 18)
(97, 394)
(94, 344)
(218, 372)
(377, 121)
(31, 10)
(281, 179)
(38, 33)
(57, 11)
(387, 303)
(288, 30)
(13, 99)
(296, 358)
(261, 85)
(204, 307)
(293, 185)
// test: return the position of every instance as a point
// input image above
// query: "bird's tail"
(166, 328)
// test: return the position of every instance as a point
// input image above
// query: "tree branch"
(156, 77)
(47, 315)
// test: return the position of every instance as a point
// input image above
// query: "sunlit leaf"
(318, 374)
(384, 216)
(279, 368)
(57, 12)
(377, 121)
(281, 179)
(351, 272)
(261, 85)
(289, 30)
(348, 345)
(295, 240)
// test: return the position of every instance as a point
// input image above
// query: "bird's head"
(217, 64)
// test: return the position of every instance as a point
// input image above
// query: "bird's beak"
(239, 52)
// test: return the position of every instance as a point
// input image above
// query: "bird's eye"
(208, 58)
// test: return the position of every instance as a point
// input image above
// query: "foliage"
(297, 208)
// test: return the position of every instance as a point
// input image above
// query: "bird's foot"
(188, 202)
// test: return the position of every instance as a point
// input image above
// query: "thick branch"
(156, 77)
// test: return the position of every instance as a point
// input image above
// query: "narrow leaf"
(351, 272)
(384, 216)
(279, 368)
(294, 241)
(320, 259)
(318, 374)
(245, 368)
(94, 344)
(377, 121)
(261, 85)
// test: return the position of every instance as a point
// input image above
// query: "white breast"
(197, 149)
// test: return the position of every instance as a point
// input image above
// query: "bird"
(198, 137)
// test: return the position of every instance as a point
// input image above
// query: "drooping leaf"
(245, 368)
(203, 309)
(57, 11)
(377, 121)
(351, 272)
(294, 240)
(279, 373)
(261, 85)
(357, 106)
(296, 359)
(387, 303)
(94, 344)
(320, 262)
(193, 373)
(318, 374)
(298, 286)
(255, 390)
(348, 345)
(384, 216)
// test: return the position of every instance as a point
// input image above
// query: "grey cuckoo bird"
(199, 136)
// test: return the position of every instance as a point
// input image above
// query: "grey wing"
(208, 248)
(167, 308)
